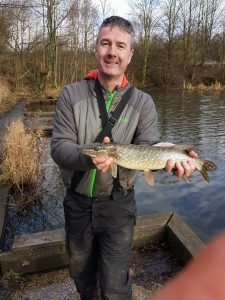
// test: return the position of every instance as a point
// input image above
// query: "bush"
(21, 158)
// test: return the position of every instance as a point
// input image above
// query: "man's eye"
(105, 44)
(121, 46)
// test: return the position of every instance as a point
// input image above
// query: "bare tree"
(146, 15)
(89, 15)
(189, 24)
(18, 38)
(170, 10)
(106, 8)
(208, 18)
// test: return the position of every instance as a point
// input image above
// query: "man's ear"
(131, 55)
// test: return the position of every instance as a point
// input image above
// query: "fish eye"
(97, 148)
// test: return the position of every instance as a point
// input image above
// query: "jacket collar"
(95, 74)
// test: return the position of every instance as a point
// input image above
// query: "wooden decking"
(46, 250)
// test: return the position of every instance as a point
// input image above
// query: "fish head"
(98, 149)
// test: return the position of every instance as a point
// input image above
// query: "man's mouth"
(111, 62)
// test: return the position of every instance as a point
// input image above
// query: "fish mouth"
(89, 152)
(96, 149)
(91, 147)
(93, 153)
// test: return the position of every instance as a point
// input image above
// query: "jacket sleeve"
(64, 137)
(147, 128)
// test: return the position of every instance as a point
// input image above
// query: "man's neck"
(110, 82)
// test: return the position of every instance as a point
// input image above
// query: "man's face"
(113, 52)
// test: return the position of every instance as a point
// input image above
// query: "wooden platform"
(46, 250)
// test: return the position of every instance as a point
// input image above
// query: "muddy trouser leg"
(100, 231)
(114, 263)
(81, 245)
(115, 244)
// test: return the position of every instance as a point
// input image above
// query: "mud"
(150, 268)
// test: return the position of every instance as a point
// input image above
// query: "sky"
(119, 7)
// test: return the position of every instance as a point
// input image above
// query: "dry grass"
(4, 89)
(7, 98)
(217, 86)
(7, 102)
(21, 159)
(51, 93)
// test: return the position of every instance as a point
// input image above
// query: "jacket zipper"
(94, 171)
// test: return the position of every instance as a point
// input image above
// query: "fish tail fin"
(207, 166)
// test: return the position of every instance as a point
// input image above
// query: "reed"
(21, 159)
(217, 86)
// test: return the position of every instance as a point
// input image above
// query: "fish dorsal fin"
(113, 169)
(183, 147)
(149, 177)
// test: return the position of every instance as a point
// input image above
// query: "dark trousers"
(99, 239)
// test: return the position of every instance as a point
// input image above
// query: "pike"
(146, 158)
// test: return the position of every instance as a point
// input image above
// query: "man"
(99, 212)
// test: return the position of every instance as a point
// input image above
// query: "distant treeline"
(48, 43)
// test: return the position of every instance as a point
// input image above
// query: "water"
(197, 119)
(46, 214)
(184, 118)
(47, 105)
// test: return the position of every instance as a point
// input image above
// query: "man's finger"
(106, 140)
(99, 159)
(169, 165)
(103, 165)
(187, 170)
(192, 153)
(179, 171)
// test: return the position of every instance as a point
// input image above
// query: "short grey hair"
(121, 23)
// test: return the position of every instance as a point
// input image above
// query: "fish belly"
(141, 161)
(150, 159)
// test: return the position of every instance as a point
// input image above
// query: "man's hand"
(185, 168)
(103, 163)
(180, 169)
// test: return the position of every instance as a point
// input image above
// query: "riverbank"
(16, 112)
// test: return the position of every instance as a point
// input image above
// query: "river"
(184, 118)
(198, 119)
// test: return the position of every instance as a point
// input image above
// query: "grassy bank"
(9, 94)
(7, 98)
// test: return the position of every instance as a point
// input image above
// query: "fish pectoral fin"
(149, 177)
(184, 147)
(113, 169)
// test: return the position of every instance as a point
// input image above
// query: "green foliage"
(13, 279)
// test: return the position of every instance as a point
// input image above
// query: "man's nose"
(112, 50)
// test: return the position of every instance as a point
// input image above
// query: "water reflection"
(197, 119)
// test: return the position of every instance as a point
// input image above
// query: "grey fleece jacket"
(77, 121)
